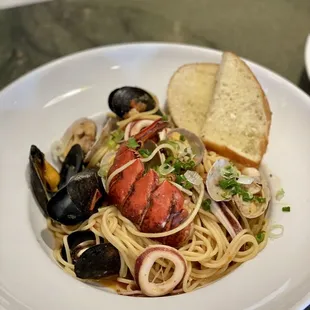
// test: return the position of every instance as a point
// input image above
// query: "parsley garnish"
(206, 204)
(286, 209)
(145, 153)
(260, 237)
(132, 143)
(165, 118)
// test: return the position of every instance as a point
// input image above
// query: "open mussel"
(72, 164)
(76, 201)
(124, 99)
(44, 178)
(78, 241)
(91, 260)
(98, 261)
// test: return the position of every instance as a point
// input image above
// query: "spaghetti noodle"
(211, 251)
(210, 254)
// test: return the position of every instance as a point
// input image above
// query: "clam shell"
(213, 177)
(253, 209)
(194, 141)
(104, 135)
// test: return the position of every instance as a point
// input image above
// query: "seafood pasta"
(145, 204)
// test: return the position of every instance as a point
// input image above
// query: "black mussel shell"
(38, 186)
(72, 164)
(77, 201)
(77, 241)
(83, 187)
(120, 99)
(97, 262)
(62, 209)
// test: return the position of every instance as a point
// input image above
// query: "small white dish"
(39, 106)
(307, 56)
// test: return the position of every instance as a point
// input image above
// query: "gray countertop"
(269, 32)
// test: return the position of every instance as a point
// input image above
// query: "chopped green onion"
(234, 188)
(165, 118)
(182, 137)
(165, 169)
(169, 160)
(286, 209)
(280, 194)
(229, 172)
(260, 199)
(179, 165)
(111, 144)
(228, 183)
(173, 144)
(206, 204)
(260, 237)
(132, 143)
(117, 135)
(246, 196)
(180, 179)
(276, 231)
(145, 153)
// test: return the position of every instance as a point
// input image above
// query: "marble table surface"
(271, 33)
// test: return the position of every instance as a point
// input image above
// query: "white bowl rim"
(306, 300)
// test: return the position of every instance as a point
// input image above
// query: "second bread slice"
(189, 95)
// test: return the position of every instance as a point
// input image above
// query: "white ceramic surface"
(307, 56)
(38, 107)
(5, 4)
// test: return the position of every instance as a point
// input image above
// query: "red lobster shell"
(152, 206)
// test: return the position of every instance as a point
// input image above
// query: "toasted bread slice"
(189, 95)
(239, 117)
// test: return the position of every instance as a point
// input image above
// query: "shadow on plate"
(304, 82)
(48, 238)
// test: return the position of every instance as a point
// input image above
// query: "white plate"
(5, 4)
(307, 56)
(38, 107)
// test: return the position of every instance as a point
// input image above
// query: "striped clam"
(247, 189)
